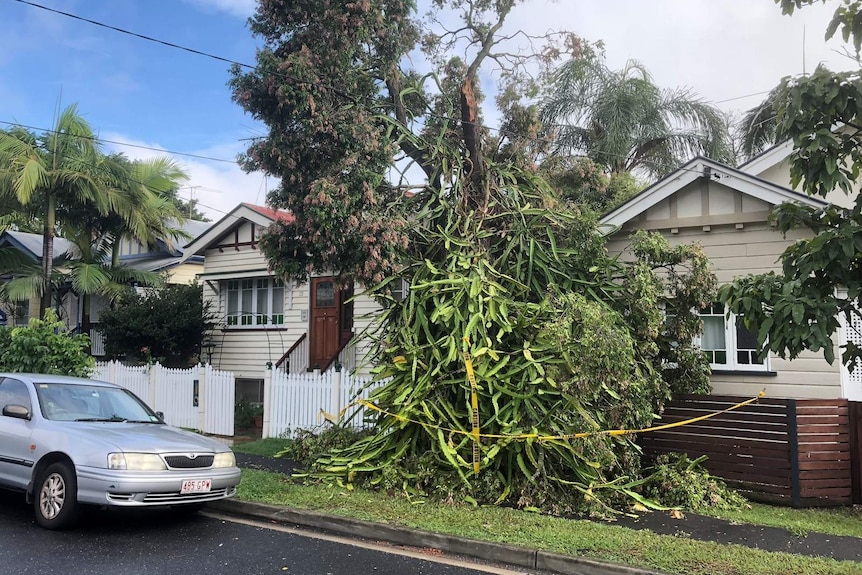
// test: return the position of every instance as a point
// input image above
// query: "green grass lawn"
(596, 540)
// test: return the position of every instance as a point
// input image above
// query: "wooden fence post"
(793, 444)
(854, 409)
(336, 392)
(202, 397)
(267, 400)
(152, 379)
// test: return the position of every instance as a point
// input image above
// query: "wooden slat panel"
(729, 444)
(775, 418)
(805, 430)
(819, 420)
(770, 476)
(749, 447)
(831, 492)
(833, 411)
(806, 403)
(831, 465)
(762, 488)
(811, 475)
(824, 455)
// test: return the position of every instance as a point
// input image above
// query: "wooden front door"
(331, 321)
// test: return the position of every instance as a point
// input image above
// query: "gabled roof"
(259, 215)
(31, 244)
(193, 228)
(697, 168)
(768, 158)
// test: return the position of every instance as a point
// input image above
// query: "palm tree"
(142, 211)
(758, 129)
(61, 165)
(625, 123)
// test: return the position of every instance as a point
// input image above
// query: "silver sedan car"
(66, 441)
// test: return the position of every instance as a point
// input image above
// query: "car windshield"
(67, 402)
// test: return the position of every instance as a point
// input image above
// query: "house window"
(400, 289)
(254, 303)
(22, 312)
(727, 343)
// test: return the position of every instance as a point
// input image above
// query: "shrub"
(677, 481)
(166, 325)
(44, 346)
(310, 444)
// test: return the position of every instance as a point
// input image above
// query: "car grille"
(186, 462)
(172, 497)
(188, 497)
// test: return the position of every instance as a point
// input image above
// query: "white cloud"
(218, 186)
(238, 8)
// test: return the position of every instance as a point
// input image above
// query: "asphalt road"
(153, 542)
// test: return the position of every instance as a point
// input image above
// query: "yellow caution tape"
(475, 435)
(474, 402)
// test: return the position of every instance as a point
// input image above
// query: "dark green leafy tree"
(579, 181)
(169, 323)
(625, 123)
(821, 277)
(563, 338)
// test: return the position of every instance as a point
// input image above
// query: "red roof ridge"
(272, 214)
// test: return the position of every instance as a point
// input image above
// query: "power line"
(337, 91)
(186, 48)
(334, 89)
(102, 140)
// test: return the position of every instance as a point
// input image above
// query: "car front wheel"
(55, 497)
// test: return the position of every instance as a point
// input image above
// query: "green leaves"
(44, 346)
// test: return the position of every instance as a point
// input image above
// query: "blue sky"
(144, 93)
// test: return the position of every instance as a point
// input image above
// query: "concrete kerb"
(483, 550)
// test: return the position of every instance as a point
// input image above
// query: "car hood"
(147, 437)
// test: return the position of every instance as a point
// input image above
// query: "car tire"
(55, 497)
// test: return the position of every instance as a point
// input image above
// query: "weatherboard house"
(165, 256)
(262, 320)
(802, 443)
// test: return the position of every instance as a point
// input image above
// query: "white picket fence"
(295, 401)
(197, 398)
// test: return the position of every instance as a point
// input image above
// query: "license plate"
(196, 486)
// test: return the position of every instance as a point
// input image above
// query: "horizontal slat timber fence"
(790, 451)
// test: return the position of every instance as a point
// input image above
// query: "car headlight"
(224, 459)
(136, 461)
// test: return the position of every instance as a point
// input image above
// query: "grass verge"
(600, 541)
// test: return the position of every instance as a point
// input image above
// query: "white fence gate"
(196, 398)
(298, 400)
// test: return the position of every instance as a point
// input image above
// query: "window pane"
(713, 333)
(232, 302)
(262, 301)
(746, 345)
(247, 302)
(325, 294)
(277, 300)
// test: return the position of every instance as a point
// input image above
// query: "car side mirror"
(161, 416)
(16, 411)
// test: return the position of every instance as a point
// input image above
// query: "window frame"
(731, 349)
(257, 293)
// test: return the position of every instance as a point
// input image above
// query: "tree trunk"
(48, 252)
(85, 313)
